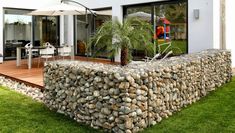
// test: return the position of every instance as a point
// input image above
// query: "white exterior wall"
(230, 28)
(200, 31)
(216, 25)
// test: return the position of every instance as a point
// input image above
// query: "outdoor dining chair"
(30, 46)
(65, 51)
(46, 53)
(46, 44)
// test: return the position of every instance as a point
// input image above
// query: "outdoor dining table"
(29, 62)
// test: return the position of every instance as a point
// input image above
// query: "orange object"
(160, 30)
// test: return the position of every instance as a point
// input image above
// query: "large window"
(144, 13)
(85, 30)
(18, 27)
(46, 30)
(17, 31)
(169, 20)
(102, 17)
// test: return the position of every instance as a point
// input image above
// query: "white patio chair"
(46, 53)
(46, 44)
(65, 51)
(29, 46)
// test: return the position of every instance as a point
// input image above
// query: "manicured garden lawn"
(181, 44)
(213, 114)
(20, 114)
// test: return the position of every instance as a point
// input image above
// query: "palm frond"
(113, 35)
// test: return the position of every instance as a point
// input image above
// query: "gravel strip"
(35, 93)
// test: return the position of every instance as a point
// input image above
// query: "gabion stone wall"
(131, 98)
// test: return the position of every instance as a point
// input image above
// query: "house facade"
(193, 25)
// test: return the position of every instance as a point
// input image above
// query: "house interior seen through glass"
(86, 28)
(20, 29)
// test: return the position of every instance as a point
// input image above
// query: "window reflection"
(17, 31)
(144, 13)
(171, 25)
(46, 30)
(85, 30)
(169, 22)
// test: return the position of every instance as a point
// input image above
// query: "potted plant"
(113, 36)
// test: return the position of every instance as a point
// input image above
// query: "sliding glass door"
(46, 29)
(85, 30)
(144, 13)
(20, 29)
(169, 21)
(17, 31)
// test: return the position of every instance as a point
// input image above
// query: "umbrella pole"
(87, 31)
(154, 28)
(78, 4)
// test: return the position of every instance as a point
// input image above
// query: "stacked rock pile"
(129, 99)
(33, 92)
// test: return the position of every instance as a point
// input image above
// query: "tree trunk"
(124, 56)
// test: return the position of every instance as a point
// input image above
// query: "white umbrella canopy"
(104, 12)
(60, 9)
(141, 15)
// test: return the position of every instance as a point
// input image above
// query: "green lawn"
(178, 47)
(213, 114)
(20, 114)
(182, 45)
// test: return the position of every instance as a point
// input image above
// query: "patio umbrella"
(61, 9)
(104, 12)
(65, 9)
(141, 15)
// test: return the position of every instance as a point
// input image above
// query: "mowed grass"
(215, 113)
(181, 44)
(178, 46)
(21, 114)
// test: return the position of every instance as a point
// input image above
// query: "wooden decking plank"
(34, 76)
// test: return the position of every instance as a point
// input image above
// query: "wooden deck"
(34, 76)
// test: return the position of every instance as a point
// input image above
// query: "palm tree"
(113, 36)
